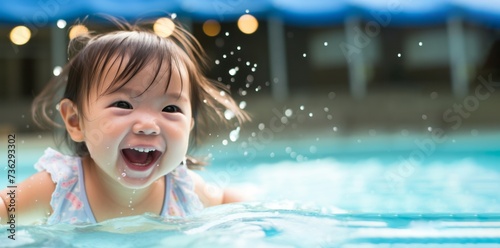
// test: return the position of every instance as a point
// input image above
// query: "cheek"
(99, 132)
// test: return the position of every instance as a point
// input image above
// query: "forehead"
(117, 59)
(159, 76)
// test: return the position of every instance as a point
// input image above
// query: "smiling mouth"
(140, 159)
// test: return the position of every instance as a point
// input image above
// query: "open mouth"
(140, 159)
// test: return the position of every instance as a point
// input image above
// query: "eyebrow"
(136, 93)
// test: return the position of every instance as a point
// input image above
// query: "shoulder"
(59, 166)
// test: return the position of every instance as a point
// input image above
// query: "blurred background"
(349, 70)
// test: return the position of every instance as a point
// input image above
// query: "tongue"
(136, 157)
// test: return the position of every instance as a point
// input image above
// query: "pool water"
(317, 193)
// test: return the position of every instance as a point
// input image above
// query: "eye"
(122, 104)
(172, 109)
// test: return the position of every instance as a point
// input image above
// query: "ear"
(71, 118)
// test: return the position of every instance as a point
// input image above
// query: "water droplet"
(222, 93)
(248, 63)
(424, 117)
(255, 65)
(300, 158)
(301, 107)
(253, 69)
(420, 43)
(39, 136)
(262, 126)
(224, 56)
(217, 62)
(335, 129)
(271, 155)
(124, 174)
(119, 178)
(429, 129)
(243, 92)
(227, 33)
(288, 149)
(57, 71)
(326, 43)
(132, 209)
(238, 48)
(250, 78)
(243, 105)
(313, 149)
(247, 11)
(310, 114)
(288, 112)
(22, 141)
(284, 120)
(228, 114)
(399, 55)
(329, 117)
(304, 55)
(22, 116)
(27, 126)
(235, 134)
(224, 142)
(359, 141)
(326, 109)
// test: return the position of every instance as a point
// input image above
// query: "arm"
(211, 195)
(32, 200)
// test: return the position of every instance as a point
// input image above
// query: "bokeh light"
(211, 28)
(248, 24)
(77, 30)
(61, 23)
(20, 35)
(164, 27)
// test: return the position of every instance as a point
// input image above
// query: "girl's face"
(137, 138)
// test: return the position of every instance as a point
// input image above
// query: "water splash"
(234, 134)
(228, 114)
(243, 105)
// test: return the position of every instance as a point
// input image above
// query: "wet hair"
(91, 54)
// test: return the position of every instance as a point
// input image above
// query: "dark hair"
(90, 54)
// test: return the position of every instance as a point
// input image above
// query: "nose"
(146, 126)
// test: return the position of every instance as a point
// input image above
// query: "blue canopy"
(297, 12)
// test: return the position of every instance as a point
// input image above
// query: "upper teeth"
(144, 149)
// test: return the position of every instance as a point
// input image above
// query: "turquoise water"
(359, 192)
(274, 225)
